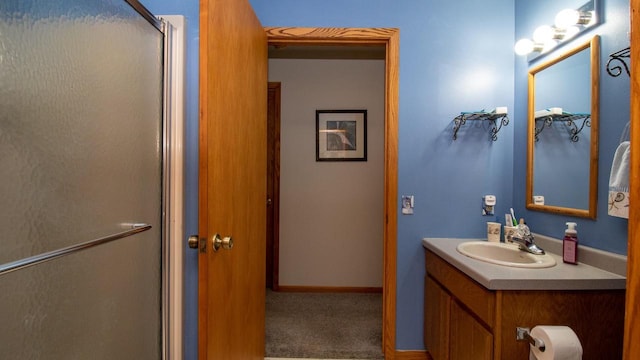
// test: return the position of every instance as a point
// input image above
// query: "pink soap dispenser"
(570, 244)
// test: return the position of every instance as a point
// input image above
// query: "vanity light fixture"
(571, 17)
(545, 33)
(527, 46)
(568, 23)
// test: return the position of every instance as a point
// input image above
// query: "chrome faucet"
(524, 239)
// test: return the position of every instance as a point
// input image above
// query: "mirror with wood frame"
(562, 143)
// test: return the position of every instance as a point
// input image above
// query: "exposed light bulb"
(543, 34)
(567, 17)
(524, 47)
(570, 17)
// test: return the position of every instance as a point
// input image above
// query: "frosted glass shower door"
(81, 142)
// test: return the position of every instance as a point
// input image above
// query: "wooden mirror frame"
(594, 45)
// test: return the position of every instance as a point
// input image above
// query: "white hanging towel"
(619, 182)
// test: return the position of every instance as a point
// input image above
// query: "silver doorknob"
(195, 242)
(218, 242)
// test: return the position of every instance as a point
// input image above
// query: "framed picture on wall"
(341, 135)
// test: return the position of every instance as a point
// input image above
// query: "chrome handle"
(135, 228)
(218, 242)
(524, 334)
(193, 241)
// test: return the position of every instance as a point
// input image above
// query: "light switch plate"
(407, 204)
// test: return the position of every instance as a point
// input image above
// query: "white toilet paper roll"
(561, 343)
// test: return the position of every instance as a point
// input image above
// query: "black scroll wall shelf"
(574, 122)
(617, 62)
(497, 118)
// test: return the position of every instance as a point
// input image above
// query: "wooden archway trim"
(388, 37)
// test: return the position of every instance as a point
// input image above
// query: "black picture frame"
(341, 135)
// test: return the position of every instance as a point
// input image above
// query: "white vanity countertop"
(497, 277)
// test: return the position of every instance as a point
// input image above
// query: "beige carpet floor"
(323, 325)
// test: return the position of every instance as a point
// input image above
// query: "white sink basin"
(504, 254)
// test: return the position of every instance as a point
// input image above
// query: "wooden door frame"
(273, 130)
(631, 347)
(388, 37)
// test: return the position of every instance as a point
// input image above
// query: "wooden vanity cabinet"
(459, 314)
(464, 320)
(436, 313)
(468, 337)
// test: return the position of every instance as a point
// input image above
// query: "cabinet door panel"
(474, 296)
(436, 310)
(469, 339)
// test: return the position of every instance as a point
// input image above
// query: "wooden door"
(232, 180)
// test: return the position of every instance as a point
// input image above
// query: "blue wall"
(606, 232)
(454, 56)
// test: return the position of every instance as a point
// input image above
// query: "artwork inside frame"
(341, 135)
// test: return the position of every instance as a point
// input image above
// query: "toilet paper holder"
(524, 334)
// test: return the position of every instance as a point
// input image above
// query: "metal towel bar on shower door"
(37, 259)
